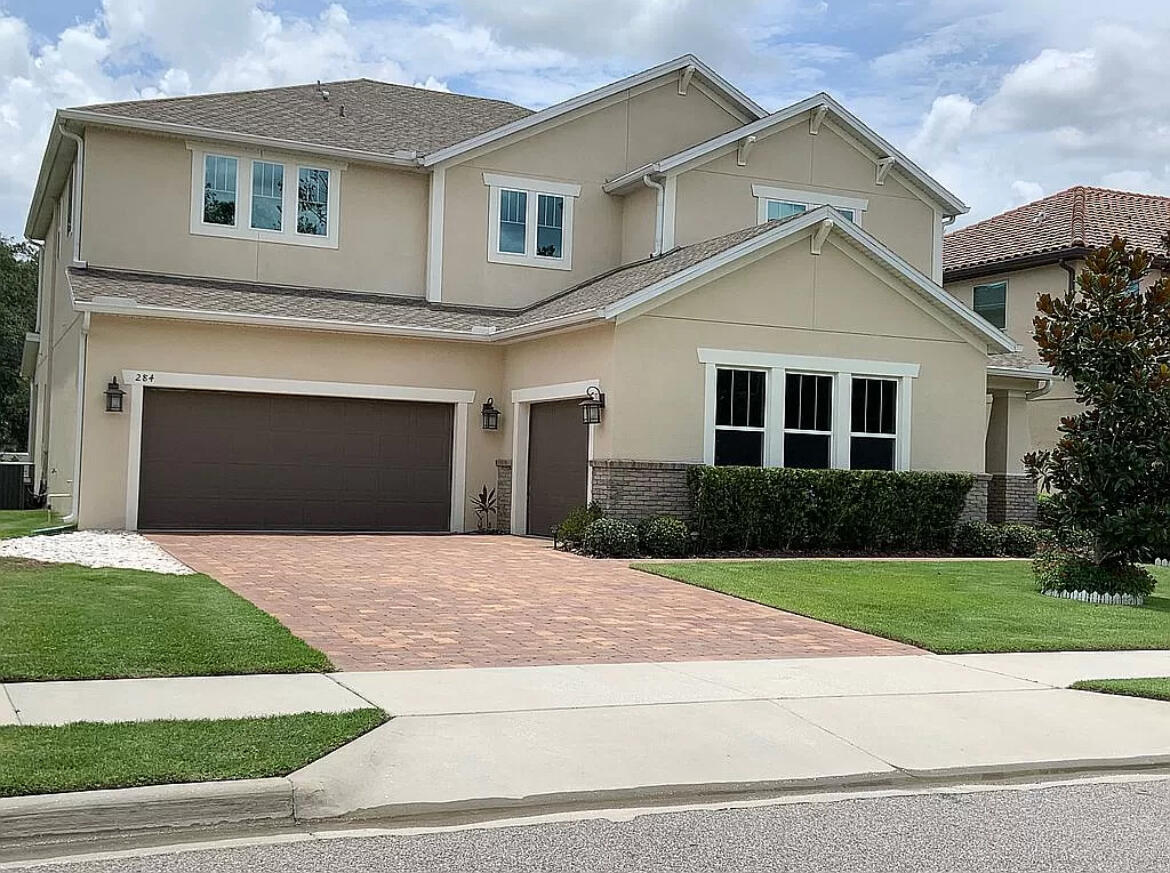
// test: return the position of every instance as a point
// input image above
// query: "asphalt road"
(1102, 827)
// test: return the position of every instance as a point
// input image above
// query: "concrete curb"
(270, 804)
(124, 811)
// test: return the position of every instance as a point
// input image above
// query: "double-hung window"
(873, 428)
(253, 198)
(739, 417)
(220, 187)
(530, 221)
(770, 409)
(808, 421)
(774, 203)
(990, 301)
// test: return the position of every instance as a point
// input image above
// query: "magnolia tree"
(1110, 469)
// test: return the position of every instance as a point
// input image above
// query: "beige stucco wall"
(1023, 287)
(586, 149)
(716, 197)
(575, 356)
(792, 302)
(639, 215)
(186, 347)
(137, 208)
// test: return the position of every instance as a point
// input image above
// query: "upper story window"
(773, 203)
(776, 410)
(239, 196)
(990, 301)
(530, 221)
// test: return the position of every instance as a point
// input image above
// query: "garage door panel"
(558, 463)
(232, 461)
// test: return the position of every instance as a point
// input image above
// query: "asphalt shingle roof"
(382, 310)
(1077, 217)
(360, 114)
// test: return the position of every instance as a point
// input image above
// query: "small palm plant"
(484, 504)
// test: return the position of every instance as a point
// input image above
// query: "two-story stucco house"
(1001, 265)
(319, 299)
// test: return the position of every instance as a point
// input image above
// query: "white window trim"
(841, 369)
(522, 400)
(242, 229)
(809, 199)
(533, 188)
(136, 381)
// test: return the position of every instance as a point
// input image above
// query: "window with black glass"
(990, 301)
(739, 417)
(873, 437)
(808, 421)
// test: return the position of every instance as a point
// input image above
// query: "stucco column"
(1008, 434)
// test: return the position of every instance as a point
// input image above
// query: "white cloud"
(1025, 192)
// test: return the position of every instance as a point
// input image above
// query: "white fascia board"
(679, 161)
(1042, 374)
(138, 310)
(582, 100)
(45, 191)
(403, 159)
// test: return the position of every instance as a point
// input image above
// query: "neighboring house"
(1001, 265)
(309, 294)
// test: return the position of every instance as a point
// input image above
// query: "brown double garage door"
(214, 460)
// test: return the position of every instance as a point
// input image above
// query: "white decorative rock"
(95, 548)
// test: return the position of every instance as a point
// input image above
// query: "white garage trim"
(522, 400)
(135, 381)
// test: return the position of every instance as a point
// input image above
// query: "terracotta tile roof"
(1074, 218)
(212, 296)
(359, 114)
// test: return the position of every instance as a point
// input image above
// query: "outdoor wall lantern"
(592, 405)
(490, 415)
(114, 396)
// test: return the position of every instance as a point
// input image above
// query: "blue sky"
(1003, 100)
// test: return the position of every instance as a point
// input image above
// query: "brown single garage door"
(558, 463)
(215, 460)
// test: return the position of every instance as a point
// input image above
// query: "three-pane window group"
(808, 426)
(221, 185)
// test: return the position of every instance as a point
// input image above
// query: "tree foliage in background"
(18, 303)
(1110, 469)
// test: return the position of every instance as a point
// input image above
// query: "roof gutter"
(1012, 265)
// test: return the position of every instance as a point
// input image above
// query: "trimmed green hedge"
(752, 508)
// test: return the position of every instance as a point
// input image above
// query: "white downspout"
(75, 206)
(659, 214)
(82, 344)
(1040, 392)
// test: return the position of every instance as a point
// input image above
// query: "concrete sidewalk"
(513, 689)
(536, 738)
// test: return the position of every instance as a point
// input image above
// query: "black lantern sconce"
(490, 415)
(114, 396)
(592, 405)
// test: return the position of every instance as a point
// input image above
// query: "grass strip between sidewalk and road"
(948, 607)
(88, 755)
(1155, 689)
(22, 522)
(62, 621)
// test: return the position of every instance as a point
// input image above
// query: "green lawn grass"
(87, 755)
(946, 607)
(22, 522)
(1158, 689)
(62, 621)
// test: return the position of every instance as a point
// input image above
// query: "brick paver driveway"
(411, 602)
